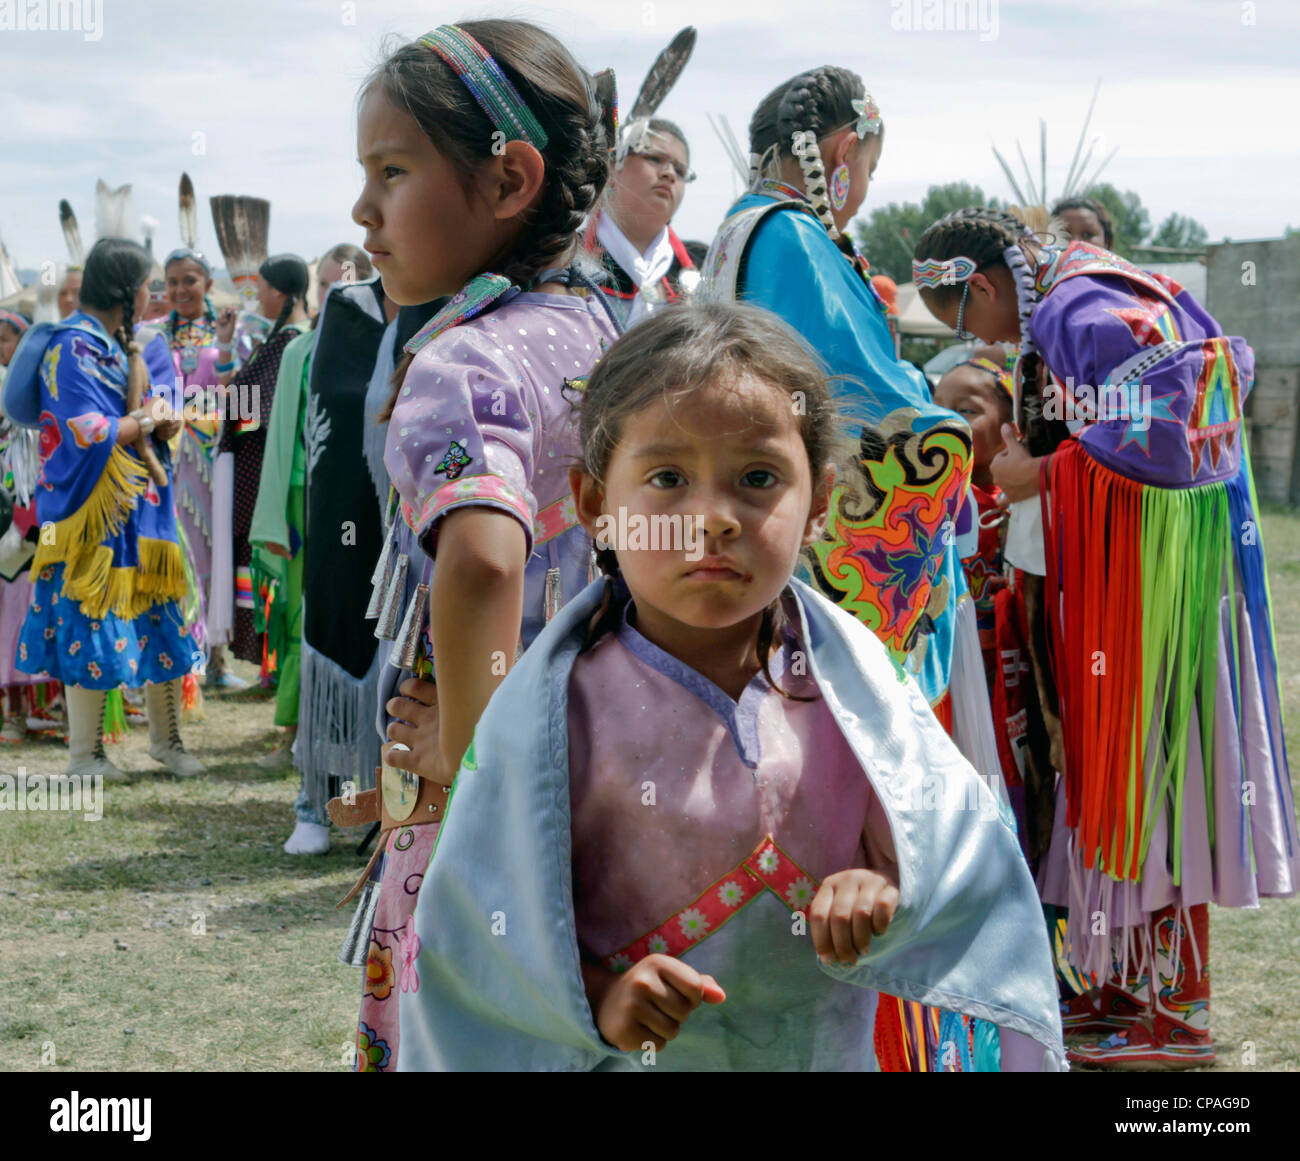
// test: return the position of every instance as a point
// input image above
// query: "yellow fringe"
(160, 575)
(77, 543)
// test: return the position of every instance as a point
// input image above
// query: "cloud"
(253, 97)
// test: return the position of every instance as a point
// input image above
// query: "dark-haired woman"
(1087, 220)
(191, 331)
(814, 143)
(645, 262)
(282, 285)
(108, 571)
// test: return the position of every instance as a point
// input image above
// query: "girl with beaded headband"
(891, 561)
(1175, 787)
(485, 146)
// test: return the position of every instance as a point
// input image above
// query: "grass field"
(175, 934)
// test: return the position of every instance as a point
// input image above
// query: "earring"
(963, 334)
(840, 182)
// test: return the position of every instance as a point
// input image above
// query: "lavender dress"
(482, 420)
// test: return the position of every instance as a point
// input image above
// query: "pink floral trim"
(769, 866)
(469, 490)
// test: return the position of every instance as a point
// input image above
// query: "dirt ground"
(175, 934)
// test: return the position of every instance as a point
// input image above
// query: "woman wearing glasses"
(646, 263)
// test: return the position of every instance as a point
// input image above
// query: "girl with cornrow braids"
(485, 146)
(108, 577)
(892, 558)
(1175, 788)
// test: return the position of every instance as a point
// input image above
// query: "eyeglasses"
(658, 160)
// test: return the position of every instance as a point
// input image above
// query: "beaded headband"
(1001, 374)
(488, 85)
(941, 272)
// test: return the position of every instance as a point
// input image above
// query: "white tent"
(915, 319)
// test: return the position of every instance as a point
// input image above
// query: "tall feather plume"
(730, 146)
(663, 75)
(189, 214)
(71, 234)
(243, 225)
(606, 85)
(114, 214)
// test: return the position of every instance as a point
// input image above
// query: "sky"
(1199, 96)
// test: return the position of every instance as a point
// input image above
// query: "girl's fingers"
(818, 921)
(652, 1018)
(863, 919)
(401, 732)
(419, 689)
(841, 926)
(642, 1033)
(407, 710)
(399, 756)
(883, 912)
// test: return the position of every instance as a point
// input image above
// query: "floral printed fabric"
(391, 960)
(58, 639)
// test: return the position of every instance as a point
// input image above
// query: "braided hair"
(115, 270)
(288, 274)
(791, 120)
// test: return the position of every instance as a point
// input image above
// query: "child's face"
(9, 337)
(729, 460)
(972, 394)
(423, 233)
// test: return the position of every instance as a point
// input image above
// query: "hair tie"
(487, 84)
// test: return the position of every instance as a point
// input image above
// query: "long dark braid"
(790, 120)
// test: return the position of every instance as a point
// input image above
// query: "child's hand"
(413, 732)
(1014, 470)
(849, 907)
(650, 1001)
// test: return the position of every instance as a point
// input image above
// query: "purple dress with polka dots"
(483, 419)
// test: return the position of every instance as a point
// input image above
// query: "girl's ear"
(838, 149)
(515, 179)
(820, 510)
(985, 285)
(588, 499)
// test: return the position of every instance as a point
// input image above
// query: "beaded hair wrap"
(1027, 294)
(487, 84)
(932, 272)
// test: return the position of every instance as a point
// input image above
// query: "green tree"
(1179, 233)
(889, 235)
